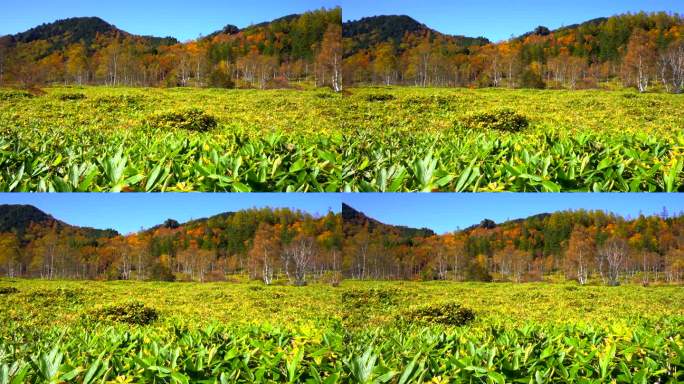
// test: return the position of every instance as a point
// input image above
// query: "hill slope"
(369, 32)
(353, 220)
(62, 33)
(19, 218)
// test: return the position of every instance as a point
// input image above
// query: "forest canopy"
(89, 50)
(283, 244)
(643, 50)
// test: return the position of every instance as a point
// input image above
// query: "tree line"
(285, 245)
(292, 49)
(643, 50)
(580, 245)
(263, 243)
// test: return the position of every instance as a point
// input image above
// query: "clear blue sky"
(494, 19)
(449, 211)
(181, 19)
(499, 19)
(130, 212)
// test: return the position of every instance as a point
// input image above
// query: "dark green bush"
(379, 97)
(8, 290)
(59, 294)
(501, 120)
(190, 119)
(72, 96)
(447, 314)
(361, 307)
(324, 95)
(15, 95)
(221, 79)
(160, 272)
(130, 313)
(532, 79)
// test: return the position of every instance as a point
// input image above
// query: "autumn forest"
(641, 50)
(89, 50)
(636, 50)
(288, 245)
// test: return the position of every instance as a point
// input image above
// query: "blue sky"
(181, 19)
(499, 19)
(441, 212)
(130, 212)
(449, 211)
(494, 19)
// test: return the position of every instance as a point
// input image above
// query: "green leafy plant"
(502, 120)
(448, 314)
(72, 96)
(131, 313)
(8, 290)
(190, 119)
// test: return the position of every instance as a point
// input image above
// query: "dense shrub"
(8, 290)
(325, 95)
(502, 120)
(221, 79)
(130, 313)
(59, 294)
(447, 314)
(532, 79)
(14, 95)
(379, 97)
(160, 272)
(190, 119)
(361, 307)
(71, 96)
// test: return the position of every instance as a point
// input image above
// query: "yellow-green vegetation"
(360, 332)
(369, 139)
(515, 140)
(127, 139)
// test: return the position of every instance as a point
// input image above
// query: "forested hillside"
(371, 31)
(582, 245)
(271, 244)
(258, 242)
(643, 50)
(355, 220)
(92, 51)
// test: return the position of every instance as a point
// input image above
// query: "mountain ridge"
(19, 218)
(64, 32)
(355, 218)
(370, 31)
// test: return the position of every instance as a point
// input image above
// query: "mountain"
(19, 218)
(174, 224)
(544, 31)
(354, 219)
(491, 224)
(231, 29)
(62, 33)
(285, 19)
(368, 32)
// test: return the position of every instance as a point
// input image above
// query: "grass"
(361, 332)
(411, 139)
(370, 139)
